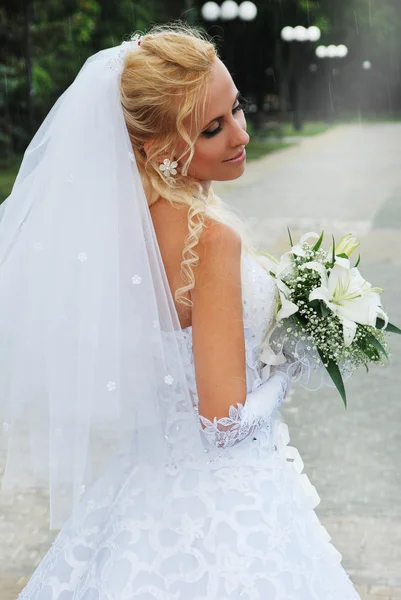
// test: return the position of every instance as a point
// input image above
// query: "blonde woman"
(132, 315)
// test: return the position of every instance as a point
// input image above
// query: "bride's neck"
(205, 186)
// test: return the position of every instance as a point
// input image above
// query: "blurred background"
(301, 64)
(321, 79)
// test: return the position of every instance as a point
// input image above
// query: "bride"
(133, 310)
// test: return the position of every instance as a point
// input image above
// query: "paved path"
(348, 179)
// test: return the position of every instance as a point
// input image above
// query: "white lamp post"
(342, 51)
(314, 33)
(287, 34)
(331, 51)
(247, 11)
(210, 11)
(229, 10)
(321, 52)
(298, 34)
(301, 34)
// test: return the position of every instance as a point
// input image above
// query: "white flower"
(347, 245)
(298, 249)
(285, 266)
(348, 296)
(287, 308)
(168, 168)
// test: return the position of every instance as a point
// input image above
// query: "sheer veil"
(92, 362)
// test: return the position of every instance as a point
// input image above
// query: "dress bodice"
(258, 300)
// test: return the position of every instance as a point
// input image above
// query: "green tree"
(58, 37)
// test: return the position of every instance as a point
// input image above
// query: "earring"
(168, 168)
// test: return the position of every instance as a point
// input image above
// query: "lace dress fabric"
(245, 529)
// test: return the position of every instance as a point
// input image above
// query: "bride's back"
(171, 228)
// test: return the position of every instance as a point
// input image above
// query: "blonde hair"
(161, 85)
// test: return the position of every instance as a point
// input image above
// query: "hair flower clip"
(136, 38)
(116, 63)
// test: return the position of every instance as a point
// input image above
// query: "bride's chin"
(234, 175)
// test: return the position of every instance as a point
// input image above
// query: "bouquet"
(327, 308)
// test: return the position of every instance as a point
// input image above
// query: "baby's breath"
(321, 329)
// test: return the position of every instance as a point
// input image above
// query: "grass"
(7, 178)
(257, 149)
(309, 129)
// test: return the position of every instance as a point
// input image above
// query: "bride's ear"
(160, 157)
(147, 145)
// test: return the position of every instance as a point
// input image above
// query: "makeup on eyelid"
(214, 132)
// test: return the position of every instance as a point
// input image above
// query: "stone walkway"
(348, 179)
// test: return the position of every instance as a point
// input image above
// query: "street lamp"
(229, 10)
(210, 11)
(332, 51)
(247, 11)
(298, 34)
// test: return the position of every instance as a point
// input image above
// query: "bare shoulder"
(219, 246)
(215, 232)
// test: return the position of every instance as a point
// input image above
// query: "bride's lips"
(239, 158)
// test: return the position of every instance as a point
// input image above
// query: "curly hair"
(160, 86)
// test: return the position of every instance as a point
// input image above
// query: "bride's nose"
(239, 136)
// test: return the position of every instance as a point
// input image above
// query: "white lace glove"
(245, 420)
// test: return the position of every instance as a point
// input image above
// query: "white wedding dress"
(246, 532)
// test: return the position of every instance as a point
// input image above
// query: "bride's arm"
(228, 414)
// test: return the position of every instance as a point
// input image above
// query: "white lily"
(284, 265)
(269, 262)
(287, 308)
(347, 245)
(348, 295)
(297, 249)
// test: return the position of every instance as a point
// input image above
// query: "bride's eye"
(211, 132)
(239, 106)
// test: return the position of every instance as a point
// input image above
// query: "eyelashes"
(209, 134)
